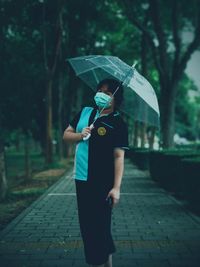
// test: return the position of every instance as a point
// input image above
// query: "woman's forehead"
(104, 88)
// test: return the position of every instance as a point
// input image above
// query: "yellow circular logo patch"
(101, 131)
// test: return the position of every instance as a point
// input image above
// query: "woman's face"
(104, 89)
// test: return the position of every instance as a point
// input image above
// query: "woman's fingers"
(115, 201)
(114, 198)
(86, 131)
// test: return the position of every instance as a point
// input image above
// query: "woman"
(99, 164)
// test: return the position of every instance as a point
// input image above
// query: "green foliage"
(22, 76)
(187, 109)
(169, 174)
(88, 27)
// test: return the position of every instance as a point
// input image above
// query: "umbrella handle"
(88, 136)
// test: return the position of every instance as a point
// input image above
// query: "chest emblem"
(101, 131)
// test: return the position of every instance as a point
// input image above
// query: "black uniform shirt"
(94, 158)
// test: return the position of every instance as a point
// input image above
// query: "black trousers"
(95, 220)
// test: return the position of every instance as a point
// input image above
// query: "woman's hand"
(115, 195)
(85, 131)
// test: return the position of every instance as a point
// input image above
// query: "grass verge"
(22, 191)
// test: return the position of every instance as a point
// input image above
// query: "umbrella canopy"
(140, 101)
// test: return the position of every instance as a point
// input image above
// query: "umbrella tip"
(134, 64)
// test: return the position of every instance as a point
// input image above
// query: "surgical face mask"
(102, 100)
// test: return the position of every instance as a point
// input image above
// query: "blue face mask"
(102, 100)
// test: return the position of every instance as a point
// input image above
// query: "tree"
(168, 20)
(20, 74)
(187, 109)
(51, 56)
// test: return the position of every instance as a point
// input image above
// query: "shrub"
(140, 157)
(190, 171)
(165, 167)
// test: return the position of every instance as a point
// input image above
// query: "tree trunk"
(136, 134)
(79, 98)
(143, 134)
(151, 137)
(27, 157)
(3, 179)
(70, 109)
(49, 148)
(144, 62)
(50, 64)
(17, 141)
(60, 128)
(168, 96)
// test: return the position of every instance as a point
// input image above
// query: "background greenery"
(39, 93)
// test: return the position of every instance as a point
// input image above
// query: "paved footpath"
(150, 228)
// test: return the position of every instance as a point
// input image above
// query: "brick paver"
(150, 228)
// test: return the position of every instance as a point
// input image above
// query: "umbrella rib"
(114, 65)
(95, 76)
(86, 70)
(107, 65)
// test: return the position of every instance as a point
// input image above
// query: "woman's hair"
(112, 86)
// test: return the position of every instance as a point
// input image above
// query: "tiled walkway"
(150, 228)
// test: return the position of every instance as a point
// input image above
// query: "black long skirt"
(95, 221)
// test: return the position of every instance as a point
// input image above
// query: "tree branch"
(155, 15)
(176, 38)
(190, 49)
(58, 41)
(144, 48)
(145, 31)
(44, 39)
(50, 68)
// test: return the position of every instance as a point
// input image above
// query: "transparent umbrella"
(140, 101)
